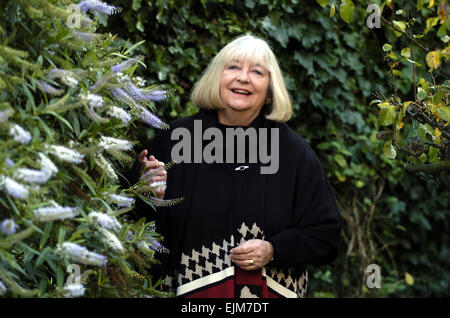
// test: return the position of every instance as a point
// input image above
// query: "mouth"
(241, 91)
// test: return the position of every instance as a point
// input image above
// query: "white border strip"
(204, 281)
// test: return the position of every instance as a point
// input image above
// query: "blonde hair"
(206, 90)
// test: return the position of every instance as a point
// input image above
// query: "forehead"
(252, 63)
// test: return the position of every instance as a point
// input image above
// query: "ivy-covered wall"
(394, 219)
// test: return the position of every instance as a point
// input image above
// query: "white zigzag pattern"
(285, 279)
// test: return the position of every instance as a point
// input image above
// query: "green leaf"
(140, 26)
(375, 101)
(421, 93)
(406, 52)
(423, 158)
(431, 22)
(409, 279)
(64, 121)
(387, 115)
(389, 150)
(359, 184)
(332, 10)
(426, 129)
(346, 10)
(136, 5)
(42, 257)
(433, 59)
(61, 235)
(387, 47)
(401, 25)
(340, 160)
(250, 4)
(76, 235)
(437, 98)
(393, 56)
(419, 5)
(433, 154)
(323, 3)
(445, 113)
(144, 199)
(131, 49)
(442, 31)
(46, 235)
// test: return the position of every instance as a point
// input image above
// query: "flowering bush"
(68, 103)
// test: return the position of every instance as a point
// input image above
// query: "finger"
(159, 171)
(150, 174)
(245, 261)
(153, 164)
(242, 257)
(155, 182)
(160, 194)
(245, 265)
(142, 157)
(162, 173)
(241, 249)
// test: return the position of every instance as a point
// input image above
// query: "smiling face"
(244, 86)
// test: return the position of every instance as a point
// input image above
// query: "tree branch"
(404, 33)
(431, 168)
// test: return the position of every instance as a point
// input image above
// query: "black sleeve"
(315, 232)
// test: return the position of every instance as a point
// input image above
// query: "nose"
(243, 76)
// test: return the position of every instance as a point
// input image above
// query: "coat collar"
(210, 119)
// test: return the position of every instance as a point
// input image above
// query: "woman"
(240, 232)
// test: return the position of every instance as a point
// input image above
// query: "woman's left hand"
(252, 254)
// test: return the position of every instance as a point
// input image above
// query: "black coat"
(294, 209)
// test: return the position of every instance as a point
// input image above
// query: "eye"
(257, 72)
(232, 67)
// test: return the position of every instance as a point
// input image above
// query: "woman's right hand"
(152, 164)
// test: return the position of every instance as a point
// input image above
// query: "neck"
(236, 118)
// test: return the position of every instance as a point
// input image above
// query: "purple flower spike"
(9, 163)
(157, 95)
(98, 6)
(48, 89)
(138, 95)
(119, 94)
(151, 119)
(123, 66)
(158, 247)
(135, 93)
(85, 37)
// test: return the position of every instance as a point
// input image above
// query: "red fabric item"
(252, 281)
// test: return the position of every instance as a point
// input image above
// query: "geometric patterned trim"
(286, 284)
(210, 260)
(205, 281)
(213, 264)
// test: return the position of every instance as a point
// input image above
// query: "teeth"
(241, 92)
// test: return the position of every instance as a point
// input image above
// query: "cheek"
(222, 87)
(263, 87)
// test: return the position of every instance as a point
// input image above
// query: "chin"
(240, 107)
